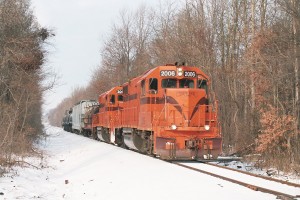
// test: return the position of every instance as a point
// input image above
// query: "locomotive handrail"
(156, 119)
(151, 93)
(169, 115)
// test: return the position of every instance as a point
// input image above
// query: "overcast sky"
(80, 28)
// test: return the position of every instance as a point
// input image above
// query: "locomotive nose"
(184, 107)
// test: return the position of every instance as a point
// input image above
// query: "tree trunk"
(252, 86)
(296, 72)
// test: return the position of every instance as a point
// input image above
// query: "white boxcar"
(78, 113)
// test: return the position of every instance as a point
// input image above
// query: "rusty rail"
(250, 186)
(256, 175)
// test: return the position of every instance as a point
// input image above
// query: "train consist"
(78, 118)
(166, 112)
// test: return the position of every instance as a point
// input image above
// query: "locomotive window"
(125, 89)
(143, 87)
(186, 83)
(120, 97)
(112, 99)
(168, 83)
(153, 84)
(202, 84)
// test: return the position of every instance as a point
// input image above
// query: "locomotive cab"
(190, 128)
(167, 113)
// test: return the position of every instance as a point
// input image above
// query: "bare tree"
(21, 58)
(249, 48)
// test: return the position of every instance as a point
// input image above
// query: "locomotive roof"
(81, 101)
(109, 91)
(150, 71)
(147, 73)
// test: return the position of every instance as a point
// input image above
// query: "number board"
(189, 74)
(167, 73)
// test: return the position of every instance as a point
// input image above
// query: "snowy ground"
(81, 168)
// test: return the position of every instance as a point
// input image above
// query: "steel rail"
(255, 175)
(250, 186)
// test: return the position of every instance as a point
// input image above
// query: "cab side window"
(143, 88)
(153, 84)
(202, 84)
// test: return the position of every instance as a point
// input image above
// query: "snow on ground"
(81, 168)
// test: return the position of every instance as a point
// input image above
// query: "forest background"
(23, 80)
(249, 48)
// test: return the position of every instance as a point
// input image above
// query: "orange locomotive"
(106, 122)
(166, 112)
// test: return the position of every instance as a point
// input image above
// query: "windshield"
(169, 83)
(186, 83)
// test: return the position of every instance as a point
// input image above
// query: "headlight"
(179, 72)
(206, 127)
(173, 127)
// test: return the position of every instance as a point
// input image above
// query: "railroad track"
(287, 191)
(281, 189)
(256, 175)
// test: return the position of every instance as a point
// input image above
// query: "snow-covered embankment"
(81, 168)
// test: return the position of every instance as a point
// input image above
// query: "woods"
(22, 55)
(250, 49)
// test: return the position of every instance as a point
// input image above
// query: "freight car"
(67, 121)
(80, 121)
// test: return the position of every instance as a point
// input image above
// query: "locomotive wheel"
(103, 134)
(141, 141)
(119, 137)
(99, 133)
(94, 134)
